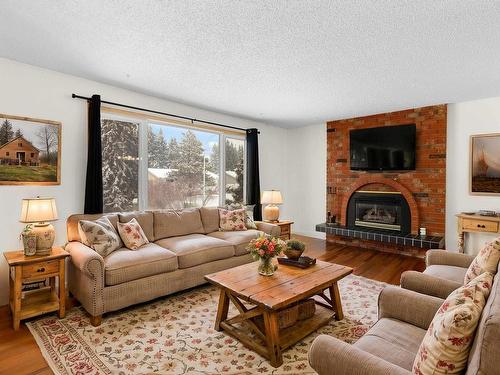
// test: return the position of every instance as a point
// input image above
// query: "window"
(7, 153)
(153, 165)
(20, 144)
(32, 154)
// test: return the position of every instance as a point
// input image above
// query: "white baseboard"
(311, 233)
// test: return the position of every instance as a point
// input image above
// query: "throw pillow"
(132, 234)
(249, 220)
(99, 235)
(232, 220)
(485, 261)
(446, 345)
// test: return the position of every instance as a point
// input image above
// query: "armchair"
(389, 347)
(445, 272)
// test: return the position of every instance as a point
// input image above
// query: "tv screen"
(388, 148)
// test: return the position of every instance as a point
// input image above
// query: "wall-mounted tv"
(387, 148)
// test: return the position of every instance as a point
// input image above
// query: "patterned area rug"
(175, 335)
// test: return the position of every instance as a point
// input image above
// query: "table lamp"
(39, 211)
(271, 198)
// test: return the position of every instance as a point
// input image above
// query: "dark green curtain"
(253, 180)
(93, 183)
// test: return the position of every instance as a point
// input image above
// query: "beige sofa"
(184, 246)
(391, 345)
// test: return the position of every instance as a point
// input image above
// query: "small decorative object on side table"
(40, 211)
(286, 229)
(23, 269)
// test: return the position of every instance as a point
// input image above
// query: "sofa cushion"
(195, 249)
(239, 239)
(171, 223)
(485, 261)
(446, 345)
(145, 220)
(125, 265)
(210, 218)
(393, 340)
(452, 273)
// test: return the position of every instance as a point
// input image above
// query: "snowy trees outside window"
(120, 165)
(182, 167)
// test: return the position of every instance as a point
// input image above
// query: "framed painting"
(30, 151)
(485, 164)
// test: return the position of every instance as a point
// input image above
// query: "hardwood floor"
(19, 353)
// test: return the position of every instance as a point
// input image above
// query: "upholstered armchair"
(445, 272)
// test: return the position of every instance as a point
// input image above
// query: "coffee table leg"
(222, 310)
(273, 338)
(337, 303)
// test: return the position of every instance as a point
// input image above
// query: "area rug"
(175, 335)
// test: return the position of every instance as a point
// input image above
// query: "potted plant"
(29, 240)
(265, 249)
(294, 249)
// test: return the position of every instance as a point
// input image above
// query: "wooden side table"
(33, 268)
(286, 228)
(475, 223)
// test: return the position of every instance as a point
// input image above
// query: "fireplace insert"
(384, 211)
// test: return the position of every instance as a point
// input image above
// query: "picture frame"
(484, 176)
(30, 151)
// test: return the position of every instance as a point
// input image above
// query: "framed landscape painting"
(30, 151)
(485, 164)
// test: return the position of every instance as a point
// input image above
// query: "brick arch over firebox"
(368, 180)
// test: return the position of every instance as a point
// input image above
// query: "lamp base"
(45, 236)
(271, 213)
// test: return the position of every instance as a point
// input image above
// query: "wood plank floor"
(19, 353)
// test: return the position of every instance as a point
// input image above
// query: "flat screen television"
(387, 148)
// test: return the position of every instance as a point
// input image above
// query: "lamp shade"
(36, 210)
(271, 197)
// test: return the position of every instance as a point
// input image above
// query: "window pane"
(183, 167)
(120, 165)
(234, 169)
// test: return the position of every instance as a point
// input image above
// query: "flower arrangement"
(265, 248)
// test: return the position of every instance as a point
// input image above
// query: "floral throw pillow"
(485, 261)
(446, 345)
(99, 235)
(249, 220)
(232, 220)
(132, 234)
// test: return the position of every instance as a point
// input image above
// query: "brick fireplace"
(422, 190)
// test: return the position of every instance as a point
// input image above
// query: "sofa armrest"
(329, 355)
(85, 259)
(269, 228)
(427, 284)
(448, 258)
(408, 306)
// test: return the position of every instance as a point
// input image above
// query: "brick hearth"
(423, 189)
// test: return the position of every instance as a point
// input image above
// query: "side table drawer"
(480, 225)
(285, 229)
(40, 269)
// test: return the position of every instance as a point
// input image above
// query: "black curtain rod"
(161, 113)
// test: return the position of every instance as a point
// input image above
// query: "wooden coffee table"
(260, 298)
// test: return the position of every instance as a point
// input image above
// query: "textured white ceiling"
(283, 62)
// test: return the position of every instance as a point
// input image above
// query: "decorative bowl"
(293, 253)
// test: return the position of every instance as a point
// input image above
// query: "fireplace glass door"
(378, 215)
